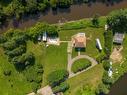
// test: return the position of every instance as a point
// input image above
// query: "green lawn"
(91, 32)
(55, 58)
(20, 85)
(91, 77)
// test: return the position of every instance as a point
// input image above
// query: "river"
(120, 87)
(75, 12)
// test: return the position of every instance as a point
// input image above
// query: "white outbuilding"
(98, 44)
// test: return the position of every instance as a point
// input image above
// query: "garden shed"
(118, 38)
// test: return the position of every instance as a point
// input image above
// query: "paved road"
(71, 61)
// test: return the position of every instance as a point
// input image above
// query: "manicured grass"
(55, 59)
(18, 80)
(80, 65)
(91, 77)
(91, 33)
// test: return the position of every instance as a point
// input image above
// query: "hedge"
(80, 65)
(56, 77)
(61, 88)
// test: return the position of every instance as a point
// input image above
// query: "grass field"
(54, 58)
(18, 80)
(89, 77)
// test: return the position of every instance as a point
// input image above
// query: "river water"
(120, 87)
(75, 12)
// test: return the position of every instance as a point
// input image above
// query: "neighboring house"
(79, 41)
(118, 38)
(98, 44)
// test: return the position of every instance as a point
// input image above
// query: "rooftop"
(79, 40)
(118, 38)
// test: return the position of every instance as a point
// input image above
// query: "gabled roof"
(79, 40)
(118, 38)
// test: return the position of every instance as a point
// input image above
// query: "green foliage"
(95, 21)
(106, 79)
(117, 20)
(61, 88)
(73, 25)
(86, 90)
(106, 64)
(100, 57)
(80, 65)
(102, 89)
(7, 72)
(108, 36)
(56, 77)
(34, 73)
(64, 3)
(16, 52)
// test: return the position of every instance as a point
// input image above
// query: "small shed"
(118, 38)
(98, 44)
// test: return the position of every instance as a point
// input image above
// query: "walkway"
(71, 61)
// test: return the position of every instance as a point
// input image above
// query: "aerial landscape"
(63, 47)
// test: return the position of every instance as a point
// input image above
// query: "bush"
(100, 58)
(102, 89)
(80, 65)
(106, 79)
(34, 73)
(108, 36)
(106, 64)
(7, 72)
(56, 77)
(10, 45)
(61, 88)
(117, 20)
(16, 52)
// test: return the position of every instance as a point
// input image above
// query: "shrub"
(16, 52)
(7, 72)
(108, 36)
(80, 65)
(10, 45)
(117, 20)
(106, 79)
(106, 64)
(100, 58)
(56, 77)
(34, 73)
(102, 89)
(61, 88)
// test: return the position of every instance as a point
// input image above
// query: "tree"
(108, 36)
(53, 3)
(106, 64)
(102, 89)
(56, 77)
(64, 3)
(95, 20)
(117, 20)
